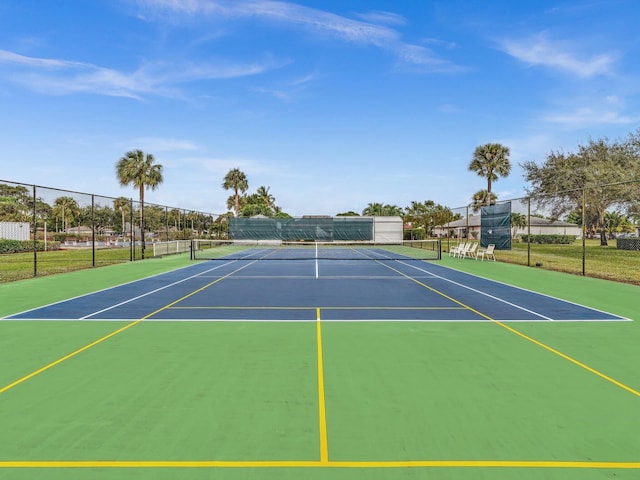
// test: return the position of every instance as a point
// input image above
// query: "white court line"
(161, 288)
(92, 293)
(152, 292)
(522, 289)
(271, 320)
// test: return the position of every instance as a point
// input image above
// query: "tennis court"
(272, 363)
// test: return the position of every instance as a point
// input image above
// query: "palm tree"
(67, 208)
(373, 210)
(266, 198)
(518, 220)
(138, 168)
(491, 161)
(237, 181)
(482, 198)
(123, 205)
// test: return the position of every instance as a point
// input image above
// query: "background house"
(539, 226)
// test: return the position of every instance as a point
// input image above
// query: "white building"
(539, 226)
(15, 231)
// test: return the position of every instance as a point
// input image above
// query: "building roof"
(474, 221)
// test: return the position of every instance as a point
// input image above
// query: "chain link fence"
(47, 230)
(574, 231)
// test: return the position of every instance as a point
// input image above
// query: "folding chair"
(488, 252)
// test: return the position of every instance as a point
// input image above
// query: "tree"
(373, 210)
(15, 202)
(597, 174)
(138, 169)
(518, 220)
(350, 213)
(491, 161)
(266, 198)
(483, 198)
(381, 210)
(427, 215)
(616, 222)
(237, 181)
(67, 209)
(122, 205)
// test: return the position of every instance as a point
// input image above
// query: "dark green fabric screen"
(322, 229)
(495, 226)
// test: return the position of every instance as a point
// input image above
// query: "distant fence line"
(70, 230)
(540, 235)
(93, 229)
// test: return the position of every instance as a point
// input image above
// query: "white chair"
(471, 251)
(488, 252)
(453, 251)
(463, 251)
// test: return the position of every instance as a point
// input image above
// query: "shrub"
(414, 234)
(22, 246)
(549, 239)
(628, 243)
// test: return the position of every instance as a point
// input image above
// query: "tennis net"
(281, 250)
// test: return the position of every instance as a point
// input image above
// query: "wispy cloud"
(374, 31)
(589, 116)
(540, 50)
(288, 90)
(382, 17)
(161, 144)
(63, 77)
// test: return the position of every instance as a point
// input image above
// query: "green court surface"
(320, 400)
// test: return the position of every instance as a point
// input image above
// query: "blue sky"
(332, 104)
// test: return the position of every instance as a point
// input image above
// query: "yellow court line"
(197, 291)
(67, 357)
(570, 359)
(229, 307)
(526, 337)
(322, 464)
(106, 337)
(322, 411)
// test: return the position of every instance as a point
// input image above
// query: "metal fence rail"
(70, 230)
(580, 238)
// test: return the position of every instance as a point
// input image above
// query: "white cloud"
(160, 144)
(307, 18)
(540, 50)
(63, 77)
(388, 18)
(588, 116)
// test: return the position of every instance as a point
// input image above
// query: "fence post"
(584, 232)
(93, 231)
(132, 250)
(529, 232)
(35, 234)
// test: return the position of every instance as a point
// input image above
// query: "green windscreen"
(495, 226)
(324, 229)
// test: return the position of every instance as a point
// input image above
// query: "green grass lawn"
(600, 262)
(18, 266)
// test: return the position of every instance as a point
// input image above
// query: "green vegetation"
(549, 239)
(18, 266)
(18, 246)
(605, 262)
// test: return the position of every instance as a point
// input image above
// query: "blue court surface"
(313, 289)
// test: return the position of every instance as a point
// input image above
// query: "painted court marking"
(324, 462)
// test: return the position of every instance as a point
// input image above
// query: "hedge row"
(549, 239)
(628, 243)
(22, 246)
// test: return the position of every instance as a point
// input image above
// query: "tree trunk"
(603, 238)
